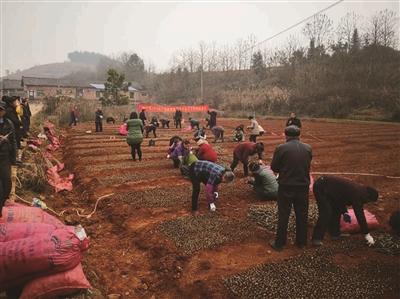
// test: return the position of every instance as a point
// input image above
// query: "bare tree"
(389, 25)
(346, 27)
(319, 29)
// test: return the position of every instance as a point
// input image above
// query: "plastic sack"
(60, 284)
(43, 254)
(23, 214)
(122, 130)
(56, 181)
(353, 227)
(15, 231)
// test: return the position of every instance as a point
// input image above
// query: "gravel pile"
(135, 175)
(194, 233)
(387, 243)
(157, 198)
(312, 276)
(266, 215)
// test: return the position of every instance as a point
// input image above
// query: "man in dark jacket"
(333, 194)
(194, 123)
(292, 161)
(211, 175)
(142, 116)
(178, 119)
(164, 123)
(293, 121)
(8, 151)
(11, 114)
(213, 118)
(99, 120)
(264, 183)
(26, 122)
(243, 151)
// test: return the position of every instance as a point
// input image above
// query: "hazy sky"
(39, 32)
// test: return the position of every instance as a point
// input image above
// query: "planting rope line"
(29, 203)
(358, 173)
(95, 207)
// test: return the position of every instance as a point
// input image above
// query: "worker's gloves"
(216, 195)
(260, 162)
(369, 239)
(168, 156)
(347, 218)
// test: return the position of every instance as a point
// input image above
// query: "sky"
(40, 32)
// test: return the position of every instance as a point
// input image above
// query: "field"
(145, 243)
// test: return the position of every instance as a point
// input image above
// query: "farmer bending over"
(194, 123)
(218, 133)
(211, 175)
(333, 194)
(264, 183)
(243, 151)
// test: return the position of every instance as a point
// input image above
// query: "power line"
(293, 26)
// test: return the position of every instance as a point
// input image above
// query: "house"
(134, 91)
(38, 88)
(9, 87)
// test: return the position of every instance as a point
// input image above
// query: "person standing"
(243, 151)
(11, 114)
(178, 119)
(26, 123)
(73, 116)
(8, 155)
(254, 129)
(142, 116)
(293, 120)
(213, 118)
(264, 183)
(99, 120)
(134, 127)
(211, 175)
(333, 194)
(292, 161)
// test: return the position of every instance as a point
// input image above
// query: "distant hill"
(52, 70)
(80, 63)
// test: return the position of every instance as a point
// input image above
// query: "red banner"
(162, 108)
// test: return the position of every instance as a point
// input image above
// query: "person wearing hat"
(12, 115)
(243, 151)
(211, 175)
(333, 194)
(264, 183)
(8, 154)
(292, 161)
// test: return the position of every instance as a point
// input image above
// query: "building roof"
(34, 81)
(10, 84)
(101, 86)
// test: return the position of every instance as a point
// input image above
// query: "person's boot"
(316, 243)
(274, 246)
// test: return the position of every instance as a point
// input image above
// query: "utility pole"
(201, 82)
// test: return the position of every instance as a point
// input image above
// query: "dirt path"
(146, 244)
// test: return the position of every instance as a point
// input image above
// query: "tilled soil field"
(145, 242)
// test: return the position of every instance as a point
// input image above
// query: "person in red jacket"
(205, 151)
(243, 151)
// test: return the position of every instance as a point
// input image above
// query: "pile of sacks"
(39, 253)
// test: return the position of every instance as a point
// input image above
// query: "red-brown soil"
(130, 256)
